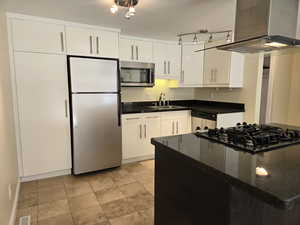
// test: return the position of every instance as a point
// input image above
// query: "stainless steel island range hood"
(264, 25)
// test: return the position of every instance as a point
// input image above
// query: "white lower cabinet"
(42, 92)
(138, 129)
(175, 123)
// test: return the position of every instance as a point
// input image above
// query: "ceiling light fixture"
(129, 4)
(180, 40)
(195, 40)
(205, 32)
(114, 9)
(210, 39)
(228, 38)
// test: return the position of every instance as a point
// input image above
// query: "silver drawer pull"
(141, 131)
(145, 130)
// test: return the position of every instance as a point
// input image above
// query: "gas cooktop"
(252, 137)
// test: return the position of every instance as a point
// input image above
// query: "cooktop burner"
(252, 137)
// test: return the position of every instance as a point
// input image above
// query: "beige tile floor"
(122, 196)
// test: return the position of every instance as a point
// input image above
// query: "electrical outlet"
(9, 192)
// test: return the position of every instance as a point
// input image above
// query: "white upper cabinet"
(107, 43)
(167, 60)
(136, 50)
(90, 42)
(222, 68)
(192, 65)
(80, 41)
(36, 36)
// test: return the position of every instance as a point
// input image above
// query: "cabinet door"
(183, 125)
(39, 37)
(192, 65)
(174, 61)
(106, 44)
(160, 59)
(80, 41)
(216, 65)
(168, 126)
(132, 137)
(143, 51)
(126, 49)
(42, 89)
(151, 130)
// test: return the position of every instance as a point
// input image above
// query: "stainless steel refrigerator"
(95, 117)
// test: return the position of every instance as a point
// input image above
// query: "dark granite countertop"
(198, 107)
(280, 189)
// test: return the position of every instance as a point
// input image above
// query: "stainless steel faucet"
(162, 99)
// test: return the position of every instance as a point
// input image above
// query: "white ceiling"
(160, 19)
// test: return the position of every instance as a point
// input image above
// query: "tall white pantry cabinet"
(38, 53)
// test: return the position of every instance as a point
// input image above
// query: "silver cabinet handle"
(176, 127)
(66, 108)
(137, 52)
(173, 127)
(91, 44)
(145, 130)
(169, 65)
(216, 72)
(97, 43)
(141, 131)
(165, 67)
(62, 41)
(132, 52)
(183, 75)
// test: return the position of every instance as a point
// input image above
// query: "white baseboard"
(13, 214)
(46, 175)
(137, 159)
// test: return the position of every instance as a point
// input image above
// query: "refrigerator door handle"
(66, 109)
(145, 130)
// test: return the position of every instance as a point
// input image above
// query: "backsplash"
(132, 94)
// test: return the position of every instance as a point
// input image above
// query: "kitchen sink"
(164, 107)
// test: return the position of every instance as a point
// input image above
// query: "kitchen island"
(198, 181)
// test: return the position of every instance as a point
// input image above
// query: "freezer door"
(93, 75)
(96, 134)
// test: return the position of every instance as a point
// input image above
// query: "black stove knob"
(205, 128)
(238, 124)
(244, 124)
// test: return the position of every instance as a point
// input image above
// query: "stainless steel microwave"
(135, 74)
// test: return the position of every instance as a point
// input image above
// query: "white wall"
(133, 94)
(8, 155)
(285, 73)
(247, 94)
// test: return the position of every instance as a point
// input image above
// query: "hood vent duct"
(264, 25)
